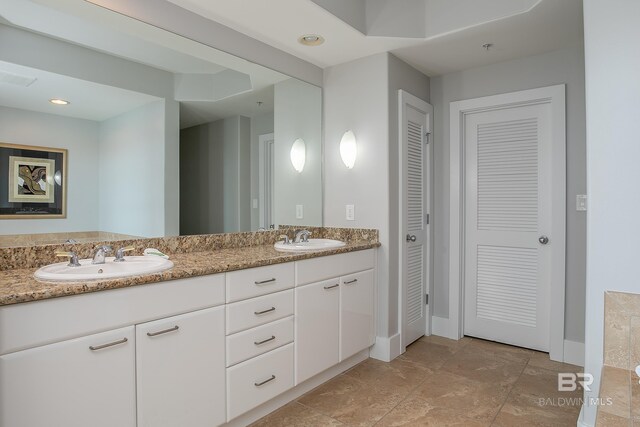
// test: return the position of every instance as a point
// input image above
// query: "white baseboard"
(288, 396)
(574, 352)
(386, 349)
(441, 327)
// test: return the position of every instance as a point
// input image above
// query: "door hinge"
(427, 219)
(426, 299)
(427, 137)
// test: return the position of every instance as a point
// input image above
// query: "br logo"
(568, 381)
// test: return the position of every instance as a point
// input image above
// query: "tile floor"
(440, 382)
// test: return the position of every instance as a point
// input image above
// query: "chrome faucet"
(73, 258)
(120, 253)
(302, 236)
(285, 239)
(102, 250)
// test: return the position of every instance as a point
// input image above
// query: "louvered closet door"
(507, 203)
(415, 124)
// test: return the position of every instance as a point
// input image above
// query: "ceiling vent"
(16, 79)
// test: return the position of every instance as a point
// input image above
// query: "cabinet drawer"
(323, 268)
(258, 311)
(245, 345)
(254, 282)
(258, 380)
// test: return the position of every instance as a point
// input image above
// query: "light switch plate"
(299, 212)
(255, 203)
(351, 212)
(581, 202)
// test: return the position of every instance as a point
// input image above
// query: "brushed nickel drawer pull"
(273, 377)
(273, 337)
(111, 344)
(257, 313)
(263, 282)
(351, 281)
(332, 286)
(164, 331)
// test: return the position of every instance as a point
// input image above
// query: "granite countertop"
(19, 285)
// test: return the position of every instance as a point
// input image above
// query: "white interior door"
(508, 201)
(416, 117)
(265, 184)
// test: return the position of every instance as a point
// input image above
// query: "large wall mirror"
(164, 136)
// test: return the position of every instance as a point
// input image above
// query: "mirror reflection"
(163, 136)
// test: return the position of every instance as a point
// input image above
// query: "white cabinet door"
(181, 370)
(317, 309)
(88, 381)
(356, 313)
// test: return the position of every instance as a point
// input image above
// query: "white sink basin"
(133, 266)
(310, 246)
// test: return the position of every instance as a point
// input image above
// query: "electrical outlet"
(255, 203)
(351, 212)
(581, 202)
(299, 212)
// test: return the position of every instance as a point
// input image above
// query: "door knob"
(411, 237)
(543, 240)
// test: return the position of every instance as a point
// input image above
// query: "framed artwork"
(32, 182)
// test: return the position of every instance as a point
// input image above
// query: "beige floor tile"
(414, 411)
(542, 360)
(615, 386)
(400, 374)
(473, 399)
(352, 401)
(296, 414)
(431, 356)
(498, 350)
(543, 383)
(454, 344)
(485, 366)
(604, 419)
(635, 395)
(527, 410)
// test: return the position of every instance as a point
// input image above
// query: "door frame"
(407, 98)
(555, 96)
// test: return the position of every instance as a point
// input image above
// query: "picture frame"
(33, 182)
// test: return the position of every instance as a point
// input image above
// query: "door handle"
(411, 237)
(543, 240)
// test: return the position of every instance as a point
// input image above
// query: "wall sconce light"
(298, 154)
(348, 149)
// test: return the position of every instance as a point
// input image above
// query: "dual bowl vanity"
(223, 336)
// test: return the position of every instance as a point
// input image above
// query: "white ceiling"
(85, 24)
(89, 100)
(547, 26)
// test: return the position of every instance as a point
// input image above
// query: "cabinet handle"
(257, 313)
(273, 337)
(264, 282)
(111, 344)
(332, 286)
(273, 377)
(351, 281)
(164, 331)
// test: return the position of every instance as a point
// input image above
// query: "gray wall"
(562, 66)
(297, 114)
(131, 172)
(260, 125)
(613, 148)
(78, 136)
(362, 96)
(214, 177)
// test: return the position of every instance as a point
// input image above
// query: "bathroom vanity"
(218, 348)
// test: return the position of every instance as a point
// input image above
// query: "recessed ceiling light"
(59, 101)
(311, 40)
